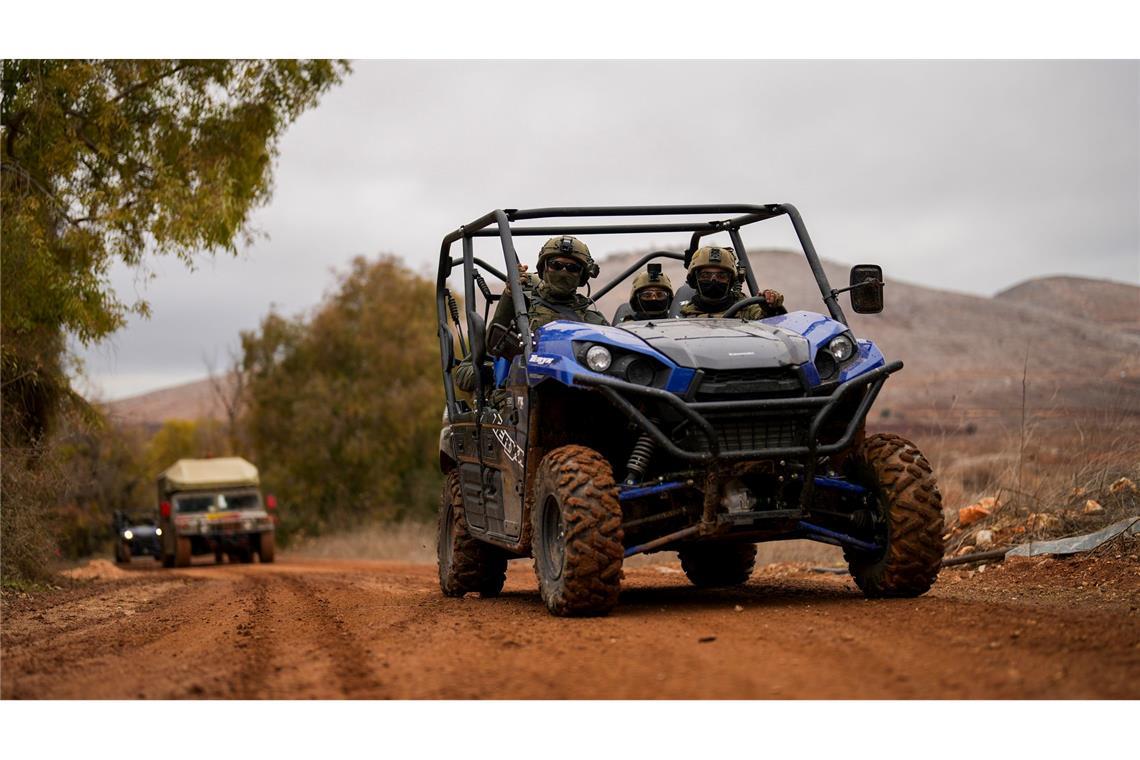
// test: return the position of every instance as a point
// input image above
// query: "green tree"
(104, 161)
(114, 160)
(344, 407)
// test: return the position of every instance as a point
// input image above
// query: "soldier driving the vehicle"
(715, 276)
(564, 265)
(650, 297)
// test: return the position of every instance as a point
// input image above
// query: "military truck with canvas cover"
(214, 506)
(583, 444)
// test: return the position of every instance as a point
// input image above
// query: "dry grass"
(405, 542)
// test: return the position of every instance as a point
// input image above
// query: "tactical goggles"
(713, 275)
(573, 267)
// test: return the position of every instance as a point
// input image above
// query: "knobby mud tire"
(718, 565)
(466, 564)
(911, 505)
(122, 553)
(266, 546)
(579, 569)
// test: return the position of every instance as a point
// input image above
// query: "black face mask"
(712, 290)
(652, 305)
(561, 284)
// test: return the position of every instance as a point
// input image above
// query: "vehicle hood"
(722, 344)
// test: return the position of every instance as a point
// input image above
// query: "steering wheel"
(736, 307)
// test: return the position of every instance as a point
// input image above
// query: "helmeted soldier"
(564, 265)
(715, 276)
(650, 297)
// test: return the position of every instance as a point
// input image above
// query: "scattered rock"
(1043, 522)
(984, 538)
(706, 639)
(1092, 507)
(738, 608)
(979, 511)
(1122, 485)
(964, 550)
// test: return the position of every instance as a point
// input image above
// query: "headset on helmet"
(571, 247)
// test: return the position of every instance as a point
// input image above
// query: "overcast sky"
(966, 176)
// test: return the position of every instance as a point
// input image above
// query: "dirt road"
(351, 629)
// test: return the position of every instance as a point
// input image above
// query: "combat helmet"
(652, 277)
(571, 247)
(712, 256)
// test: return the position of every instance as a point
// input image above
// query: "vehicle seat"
(623, 311)
(684, 293)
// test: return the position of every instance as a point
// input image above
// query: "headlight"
(158, 531)
(841, 347)
(128, 535)
(598, 358)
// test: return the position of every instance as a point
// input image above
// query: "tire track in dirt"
(254, 642)
(348, 658)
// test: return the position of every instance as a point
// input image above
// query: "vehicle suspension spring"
(453, 307)
(639, 458)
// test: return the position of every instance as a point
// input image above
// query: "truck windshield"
(218, 502)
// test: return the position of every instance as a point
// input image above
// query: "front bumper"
(799, 441)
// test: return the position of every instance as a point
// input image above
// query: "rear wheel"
(719, 564)
(577, 536)
(266, 547)
(466, 564)
(910, 512)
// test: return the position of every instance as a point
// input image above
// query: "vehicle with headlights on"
(584, 444)
(135, 537)
(214, 506)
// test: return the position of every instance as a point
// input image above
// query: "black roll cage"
(502, 223)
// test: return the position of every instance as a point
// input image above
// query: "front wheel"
(909, 509)
(577, 536)
(122, 553)
(181, 551)
(466, 564)
(266, 547)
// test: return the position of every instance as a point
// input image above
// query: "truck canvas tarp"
(196, 474)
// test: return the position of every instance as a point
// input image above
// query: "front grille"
(749, 432)
(741, 383)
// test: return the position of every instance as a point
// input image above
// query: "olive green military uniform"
(549, 296)
(704, 305)
(553, 295)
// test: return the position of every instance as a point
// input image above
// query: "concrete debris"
(984, 538)
(1129, 526)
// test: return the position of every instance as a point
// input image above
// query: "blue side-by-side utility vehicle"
(584, 444)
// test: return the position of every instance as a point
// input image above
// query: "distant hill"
(189, 401)
(1110, 303)
(965, 355)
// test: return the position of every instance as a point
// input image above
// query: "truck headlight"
(598, 358)
(128, 535)
(841, 347)
(158, 531)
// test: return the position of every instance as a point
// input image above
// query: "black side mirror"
(866, 288)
